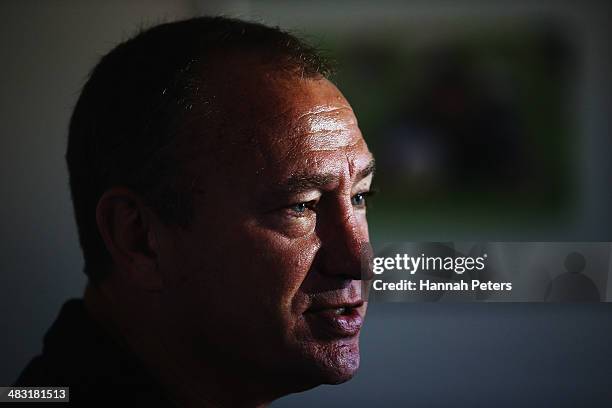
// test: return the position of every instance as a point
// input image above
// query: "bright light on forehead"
(329, 127)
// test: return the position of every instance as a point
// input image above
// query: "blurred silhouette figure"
(573, 286)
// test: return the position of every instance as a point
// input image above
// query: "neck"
(186, 382)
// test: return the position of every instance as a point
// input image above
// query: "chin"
(334, 362)
(318, 363)
(344, 364)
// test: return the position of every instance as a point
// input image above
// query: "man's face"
(267, 275)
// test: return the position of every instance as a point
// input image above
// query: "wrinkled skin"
(279, 228)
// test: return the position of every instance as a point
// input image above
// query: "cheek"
(278, 264)
(292, 227)
(244, 267)
(250, 269)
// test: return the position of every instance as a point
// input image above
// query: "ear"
(128, 228)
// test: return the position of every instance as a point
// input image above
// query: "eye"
(359, 200)
(301, 209)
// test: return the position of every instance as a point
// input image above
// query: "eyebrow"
(303, 182)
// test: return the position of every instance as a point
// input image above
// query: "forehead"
(276, 125)
(305, 118)
(314, 132)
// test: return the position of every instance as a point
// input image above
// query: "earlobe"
(127, 227)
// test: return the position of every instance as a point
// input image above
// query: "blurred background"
(490, 120)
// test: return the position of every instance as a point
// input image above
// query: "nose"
(345, 250)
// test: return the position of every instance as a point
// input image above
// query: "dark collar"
(78, 353)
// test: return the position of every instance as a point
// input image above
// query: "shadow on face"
(267, 277)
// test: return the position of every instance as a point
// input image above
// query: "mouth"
(343, 311)
(333, 321)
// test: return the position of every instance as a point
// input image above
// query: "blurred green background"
(471, 127)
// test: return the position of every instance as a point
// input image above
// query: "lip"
(324, 305)
(335, 320)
